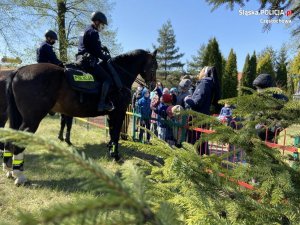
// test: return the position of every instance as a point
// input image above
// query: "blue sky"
(138, 21)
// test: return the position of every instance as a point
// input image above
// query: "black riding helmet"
(263, 81)
(51, 34)
(99, 16)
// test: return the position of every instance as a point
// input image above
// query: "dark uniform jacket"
(45, 54)
(202, 97)
(90, 42)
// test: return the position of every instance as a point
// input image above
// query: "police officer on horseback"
(90, 52)
(45, 53)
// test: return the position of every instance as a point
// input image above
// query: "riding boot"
(103, 106)
(67, 140)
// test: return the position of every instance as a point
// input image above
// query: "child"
(153, 105)
(170, 126)
(173, 92)
(162, 115)
(145, 110)
(226, 114)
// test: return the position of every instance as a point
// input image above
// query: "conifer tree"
(213, 57)
(281, 68)
(168, 56)
(245, 81)
(195, 65)
(291, 6)
(253, 67)
(294, 74)
(265, 65)
(230, 81)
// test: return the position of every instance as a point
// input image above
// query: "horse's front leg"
(115, 121)
(18, 166)
(7, 162)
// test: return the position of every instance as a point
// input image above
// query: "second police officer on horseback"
(90, 52)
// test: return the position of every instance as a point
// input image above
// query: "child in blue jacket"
(145, 111)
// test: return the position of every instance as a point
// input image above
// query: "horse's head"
(149, 70)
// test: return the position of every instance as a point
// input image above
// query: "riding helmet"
(99, 16)
(51, 34)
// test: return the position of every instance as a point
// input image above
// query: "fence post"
(133, 125)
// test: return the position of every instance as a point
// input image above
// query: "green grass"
(54, 181)
(290, 133)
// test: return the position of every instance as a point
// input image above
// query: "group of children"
(159, 112)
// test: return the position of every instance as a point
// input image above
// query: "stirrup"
(106, 107)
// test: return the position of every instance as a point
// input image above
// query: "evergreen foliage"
(253, 66)
(265, 65)
(196, 64)
(168, 56)
(230, 78)
(249, 72)
(294, 74)
(178, 186)
(245, 81)
(281, 68)
(268, 5)
(213, 57)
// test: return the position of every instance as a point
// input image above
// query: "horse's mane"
(130, 55)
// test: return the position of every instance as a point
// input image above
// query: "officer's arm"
(97, 50)
(52, 57)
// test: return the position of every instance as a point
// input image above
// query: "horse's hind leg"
(5, 150)
(18, 156)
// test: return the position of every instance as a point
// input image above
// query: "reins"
(137, 80)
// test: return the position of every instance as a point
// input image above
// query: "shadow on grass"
(52, 172)
(96, 151)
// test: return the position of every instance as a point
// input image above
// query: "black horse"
(36, 89)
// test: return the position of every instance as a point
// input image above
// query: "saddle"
(81, 81)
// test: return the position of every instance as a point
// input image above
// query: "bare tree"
(68, 17)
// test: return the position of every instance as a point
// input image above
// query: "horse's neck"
(128, 76)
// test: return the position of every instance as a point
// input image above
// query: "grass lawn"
(54, 181)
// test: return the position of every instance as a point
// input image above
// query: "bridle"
(138, 80)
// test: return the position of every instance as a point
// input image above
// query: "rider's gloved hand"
(105, 49)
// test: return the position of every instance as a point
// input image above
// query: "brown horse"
(36, 89)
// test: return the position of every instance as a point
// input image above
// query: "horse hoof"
(9, 175)
(69, 142)
(114, 155)
(21, 180)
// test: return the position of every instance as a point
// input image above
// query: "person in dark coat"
(45, 54)
(262, 82)
(90, 51)
(207, 92)
(173, 92)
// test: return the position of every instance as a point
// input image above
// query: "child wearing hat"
(165, 101)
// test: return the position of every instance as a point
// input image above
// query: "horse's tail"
(14, 115)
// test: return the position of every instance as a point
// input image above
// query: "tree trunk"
(63, 43)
